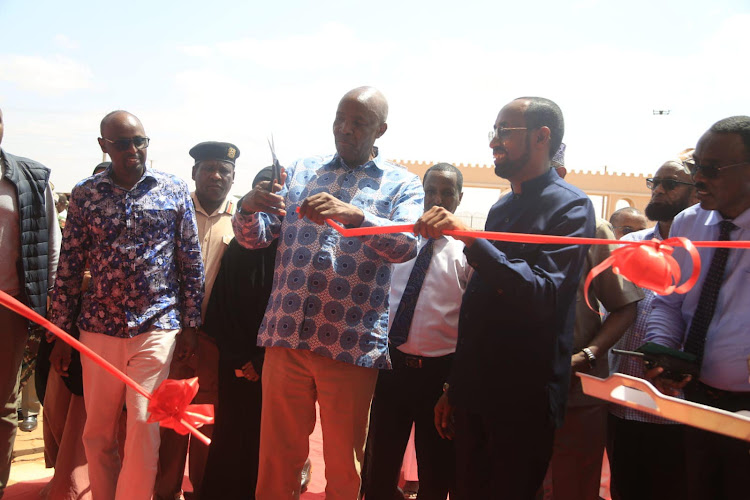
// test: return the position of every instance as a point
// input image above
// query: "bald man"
(325, 328)
(627, 220)
(136, 229)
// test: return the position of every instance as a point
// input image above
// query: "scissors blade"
(273, 151)
(276, 165)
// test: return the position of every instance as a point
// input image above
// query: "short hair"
(107, 117)
(734, 125)
(446, 167)
(543, 112)
(622, 211)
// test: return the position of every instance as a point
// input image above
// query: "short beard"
(511, 167)
(662, 212)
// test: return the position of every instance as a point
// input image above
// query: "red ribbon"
(170, 406)
(168, 403)
(648, 264)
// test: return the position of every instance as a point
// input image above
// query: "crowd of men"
(475, 343)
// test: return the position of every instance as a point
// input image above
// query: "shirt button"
(507, 219)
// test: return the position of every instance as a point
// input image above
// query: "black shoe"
(306, 475)
(29, 424)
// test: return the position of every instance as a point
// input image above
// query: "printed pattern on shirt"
(632, 339)
(330, 293)
(143, 252)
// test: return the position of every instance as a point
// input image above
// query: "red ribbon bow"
(649, 264)
(169, 401)
(170, 406)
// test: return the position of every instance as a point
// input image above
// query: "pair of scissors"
(276, 166)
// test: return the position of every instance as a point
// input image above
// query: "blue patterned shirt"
(142, 249)
(330, 294)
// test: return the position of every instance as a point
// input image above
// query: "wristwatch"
(589, 356)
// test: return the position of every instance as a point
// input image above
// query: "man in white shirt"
(423, 328)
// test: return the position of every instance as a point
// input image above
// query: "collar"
(536, 184)
(106, 177)
(742, 221)
(376, 162)
(656, 232)
(228, 207)
(4, 168)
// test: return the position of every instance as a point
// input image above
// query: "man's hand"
(249, 371)
(322, 206)
(665, 385)
(444, 418)
(263, 197)
(187, 342)
(436, 220)
(59, 358)
(579, 363)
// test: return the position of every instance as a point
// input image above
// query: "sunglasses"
(668, 184)
(710, 172)
(626, 229)
(124, 144)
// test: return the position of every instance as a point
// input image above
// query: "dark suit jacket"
(516, 322)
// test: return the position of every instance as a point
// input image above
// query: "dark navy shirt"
(516, 322)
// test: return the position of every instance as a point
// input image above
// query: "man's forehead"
(513, 112)
(436, 176)
(356, 106)
(630, 218)
(670, 169)
(124, 124)
(719, 146)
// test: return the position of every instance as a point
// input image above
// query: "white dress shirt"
(434, 328)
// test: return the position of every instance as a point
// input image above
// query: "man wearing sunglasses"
(711, 320)
(627, 220)
(136, 229)
(634, 434)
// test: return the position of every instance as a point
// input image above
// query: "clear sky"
(239, 71)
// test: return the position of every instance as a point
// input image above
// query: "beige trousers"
(144, 358)
(292, 381)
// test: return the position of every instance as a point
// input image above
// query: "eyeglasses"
(712, 171)
(626, 229)
(502, 132)
(124, 144)
(668, 184)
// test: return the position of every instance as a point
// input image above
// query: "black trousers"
(503, 456)
(405, 395)
(717, 465)
(232, 465)
(646, 460)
